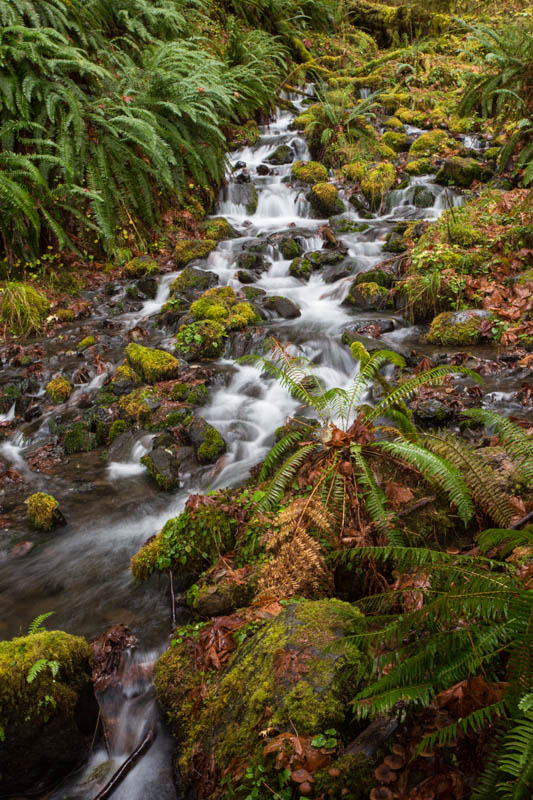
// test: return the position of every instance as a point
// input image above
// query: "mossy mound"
(368, 296)
(196, 394)
(59, 389)
(325, 201)
(453, 328)
(124, 380)
(283, 154)
(303, 266)
(218, 229)
(43, 511)
(141, 267)
(223, 306)
(309, 172)
(377, 183)
(435, 141)
(22, 308)
(192, 280)
(200, 340)
(152, 365)
(355, 171)
(399, 142)
(420, 166)
(207, 442)
(290, 248)
(462, 172)
(137, 406)
(188, 250)
(310, 697)
(195, 539)
(47, 708)
(85, 343)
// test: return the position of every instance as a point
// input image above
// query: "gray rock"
(282, 306)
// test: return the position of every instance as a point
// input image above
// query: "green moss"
(64, 314)
(229, 722)
(190, 279)
(356, 171)
(59, 389)
(152, 365)
(42, 511)
(458, 171)
(22, 308)
(242, 135)
(450, 329)
(435, 141)
(117, 427)
(188, 250)
(492, 153)
(309, 172)
(135, 406)
(420, 166)
(218, 229)
(85, 343)
(212, 447)
(124, 375)
(290, 248)
(184, 392)
(223, 306)
(194, 539)
(141, 267)
(377, 183)
(399, 142)
(325, 199)
(166, 481)
(199, 340)
(23, 706)
(79, 439)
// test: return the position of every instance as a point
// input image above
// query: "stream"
(81, 571)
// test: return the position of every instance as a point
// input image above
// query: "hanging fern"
(36, 626)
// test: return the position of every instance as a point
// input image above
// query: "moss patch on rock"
(59, 389)
(309, 172)
(141, 267)
(377, 183)
(43, 511)
(188, 250)
(457, 328)
(152, 365)
(218, 229)
(429, 143)
(325, 200)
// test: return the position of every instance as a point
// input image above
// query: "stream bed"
(81, 571)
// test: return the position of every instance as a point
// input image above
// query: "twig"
(127, 766)
(423, 502)
(521, 522)
(172, 598)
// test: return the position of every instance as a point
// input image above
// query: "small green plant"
(36, 626)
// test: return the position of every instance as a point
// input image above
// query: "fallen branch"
(172, 598)
(521, 522)
(127, 766)
(423, 502)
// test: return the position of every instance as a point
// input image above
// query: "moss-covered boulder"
(283, 154)
(309, 172)
(218, 229)
(124, 380)
(325, 200)
(303, 266)
(48, 712)
(137, 406)
(419, 166)
(43, 511)
(165, 461)
(368, 297)
(294, 674)
(193, 540)
(462, 172)
(355, 171)
(59, 389)
(377, 183)
(200, 340)
(290, 247)
(207, 442)
(453, 328)
(399, 142)
(429, 143)
(141, 267)
(152, 365)
(193, 281)
(188, 250)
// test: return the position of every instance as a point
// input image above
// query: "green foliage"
(22, 308)
(36, 625)
(109, 114)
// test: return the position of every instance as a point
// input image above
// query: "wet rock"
(395, 243)
(49, 722)
(262, 169)
(434, 412)
(246, 277)
(147, 287)
(241, 343)
(458, 327)
(252, 293)
(350, 336)
(281, 155)
(282, 306)
(342, 224)
(239, 165)
(252, 261)
(290, 247)
(361, 325)
(187, 250)
(457, 171)
(243, 177)
(334, 272)
(152, 365)
(124, 380)
(303, 266)
(220, 593)
(423, 197)
(245, 194)
(368, 297)
(207, 442)
(165, 464)
(192, 282)
(218, 228)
